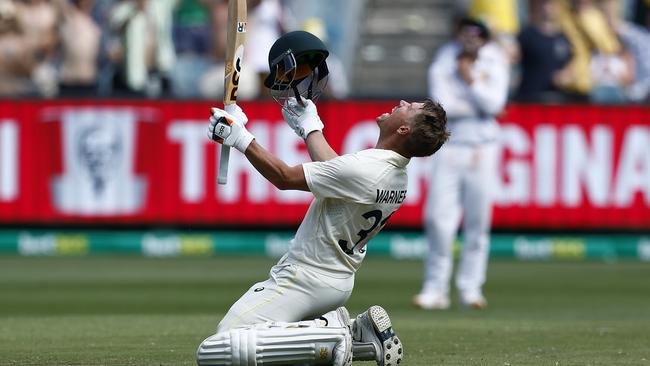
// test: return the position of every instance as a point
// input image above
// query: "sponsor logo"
(234, 78)
(53, 244)
(155, 245)
(404, 248)
(99, 152)
(547, 248)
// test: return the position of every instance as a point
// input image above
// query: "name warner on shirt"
(390, 196)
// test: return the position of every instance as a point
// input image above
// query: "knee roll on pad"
(276, 345)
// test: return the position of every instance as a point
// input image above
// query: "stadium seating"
(396, 43)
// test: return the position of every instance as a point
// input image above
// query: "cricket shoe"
(431, 301)
(473, 301)
(374, 327)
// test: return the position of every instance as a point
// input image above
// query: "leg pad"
(276, 344)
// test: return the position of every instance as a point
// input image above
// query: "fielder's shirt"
(354, 196)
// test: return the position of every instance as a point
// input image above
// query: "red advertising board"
(150, 162)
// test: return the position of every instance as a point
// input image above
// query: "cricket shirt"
(354, 196)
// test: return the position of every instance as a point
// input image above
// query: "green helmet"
(297, 67)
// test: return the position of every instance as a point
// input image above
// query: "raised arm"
(490, 92)
(306, 123)
(228, 128)
(275, 170)
(318, 147)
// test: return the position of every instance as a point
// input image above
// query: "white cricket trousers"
(462, 184)
(292, 293)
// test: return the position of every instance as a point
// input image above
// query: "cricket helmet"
(297, 67)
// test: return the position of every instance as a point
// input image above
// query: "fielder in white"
(469, 77)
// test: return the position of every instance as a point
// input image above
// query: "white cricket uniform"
(354, 195)
(464, 170)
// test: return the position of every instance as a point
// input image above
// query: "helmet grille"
(297, 79)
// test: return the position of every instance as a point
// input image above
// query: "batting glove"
(236, 112)
(229, 130)
(303, 119)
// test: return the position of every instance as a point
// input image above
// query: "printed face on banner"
(98, 152)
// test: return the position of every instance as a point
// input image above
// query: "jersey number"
(376, 216)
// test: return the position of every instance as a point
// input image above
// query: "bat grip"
(224, 158)
(222, 176)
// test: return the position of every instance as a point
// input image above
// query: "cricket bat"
(234, 54)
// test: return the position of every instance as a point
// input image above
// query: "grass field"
(136, 311)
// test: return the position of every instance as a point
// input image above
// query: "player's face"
(400, 114)
(470, 40)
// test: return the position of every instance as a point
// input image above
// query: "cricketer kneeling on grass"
(354, 196)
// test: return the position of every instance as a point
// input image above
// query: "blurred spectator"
(211, 83)
(611, 66)
(636, 40)
(469, 77)
(265, 25)
(80, 40)
(162, 14)
(502, 19)
(147, 46)
(16, 53)
(137, 44)
(601, 67)
(38, 20)
(594, 26)
(612, 74)
(110, 47)
(193, 43)
(545, 53)
(192, 27)
(576, 78)
(641, 13)
(337, 83)
(219, 25)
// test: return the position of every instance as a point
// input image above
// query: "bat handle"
(222, 176)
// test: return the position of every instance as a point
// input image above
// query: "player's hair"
(429, 130)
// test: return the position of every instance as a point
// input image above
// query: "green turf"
(135, 311)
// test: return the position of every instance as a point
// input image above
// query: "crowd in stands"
(149, 48)
(561, 50)
(574, 50)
